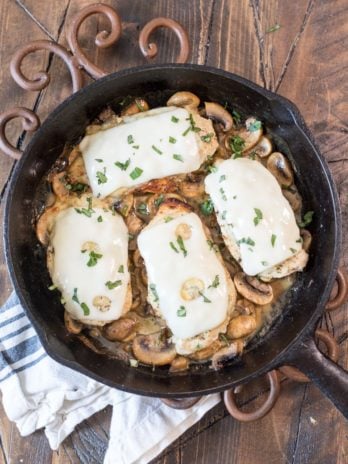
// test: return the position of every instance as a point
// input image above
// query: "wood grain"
(305, 60)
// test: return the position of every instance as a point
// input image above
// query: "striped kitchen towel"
(37, 392)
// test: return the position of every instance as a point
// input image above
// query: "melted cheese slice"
(253, 214)
(168, 270)
(149, 145)
(72, 267)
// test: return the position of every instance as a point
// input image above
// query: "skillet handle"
(331, 379)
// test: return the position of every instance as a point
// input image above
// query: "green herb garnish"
(254, 126)
(207, 137)
(121, 269)
(112, 285)
(246, 241)
(207, 207)
(307, 219)
(223, 338)
(157, 150)
(205, 299)
(93, 258)
(178, 158)
(174, 119)
(215, 283)
(142, 209)
(274, 28)
(222, 191)
(237, 117)
(172, 140)
(99, 160)
(100, 219)
(273, 239)
(86, 211)
(159, 200)
(258, 216)
(102, 179)
(137, 172)
(130, 139)
(212, 168)
(85, 309)
(264, 263)
(223, 216)
(123, 166)
(182, 245)
(75, 297)
(181, 312)
(237, 145)
(222, 178)
(173, 247)
(168, 219)
(52, 287)
(154, 292)
(293, 250)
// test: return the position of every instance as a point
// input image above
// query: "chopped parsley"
(222, 191)
(85, 309)
(130, 139)
(222, 178)
(121, 269)
(168, 218)
(299, 240)
(264, 263)
(157, 150)
(99, 160)
(75, 297)
(212, 168)
(205, 299)
(237, 117)
(136, 147)
(100, 219)
(112, 285)
(207, 207)
(254, 126)
(181, 312)
(182, 245)
(178, 158)
(123, 166)
(93, 258)
(212, 246)
(172, 140)
(173, 247)
(207, 137)
(86, 211)
(102, 179)
(137, 172)
(174, 119)
(159, 200)
(186, 131)
(293, 250)
(234, 197)
(192, 127)
(223, 216)
(237, 145)
(139, 106)
(142, 209)
(273, 240)
(154, 292)
(307, 219)
(215, 283)
(274, 28)
(246, 241)
(258, 216)
(77, 187)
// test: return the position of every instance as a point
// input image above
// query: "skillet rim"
(297, 119)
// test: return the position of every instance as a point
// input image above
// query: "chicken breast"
(188, 284)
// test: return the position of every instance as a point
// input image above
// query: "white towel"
(38, 392)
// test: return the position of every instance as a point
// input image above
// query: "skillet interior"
(26, 258)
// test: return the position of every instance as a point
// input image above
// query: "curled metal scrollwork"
(41, 79)
(150, 49)
(30, 123)
(104, 39)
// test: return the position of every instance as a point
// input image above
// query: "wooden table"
(306, 60)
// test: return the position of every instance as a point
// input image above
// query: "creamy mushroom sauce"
(123, 338)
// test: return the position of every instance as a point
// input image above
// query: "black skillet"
(290, 340)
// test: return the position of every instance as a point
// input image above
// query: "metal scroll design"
(30, 122)
(103, 39)
(150, 49)
(41, 79)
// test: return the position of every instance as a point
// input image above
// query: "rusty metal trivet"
(78, 63)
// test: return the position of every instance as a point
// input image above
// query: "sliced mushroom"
(58, 182)
(46, 221)
(221, 357)
(134, 224)
(120, 330)
(192, 289)
(180, 363)
(139, 105)
(262, 149)
(153, 349)
(219, 113)
(306, 239)
(241, 326)
(280, 167)
(183, 230)
(192, 189)
(207, 352)
(293, 197)
(252, 289)
(184, 99)
(72, 325)
(124, 205)
(244, 306)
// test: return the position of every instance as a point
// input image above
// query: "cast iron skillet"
(290, 341)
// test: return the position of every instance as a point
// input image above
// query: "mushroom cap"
(120, 330)
(306, 239)
(153, 349)
(137, 106)
(219, 113)
(253, 289)
(263, 148)
(71, 324)
(241, 326)
(294, 199)
(183, 99)
(281, 168)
